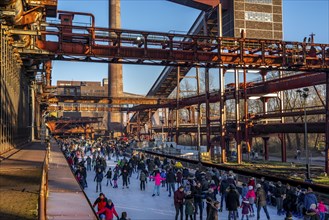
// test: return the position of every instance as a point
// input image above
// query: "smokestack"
(115, 85)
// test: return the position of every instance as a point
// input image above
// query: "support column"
(283, 148)
(138, 126)
(115, 86)
(150, 123)
(177, 104)
(265, 142)
(237, 117)
(208, 113)
(327, 126)
(246, 131)
(222, 129)
(199, 115)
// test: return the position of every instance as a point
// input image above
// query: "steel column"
(237, 117)
(222, 111)
(283, 136)
(208, 113)
(177, 104)
(327, 125)
(265, 143)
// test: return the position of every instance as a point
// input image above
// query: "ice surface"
(140, 205)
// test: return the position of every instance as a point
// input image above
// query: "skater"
(232, 202)
(189, 205)
(88, 163)
(142, 178)
(245, 206)
(179, 202)
(261, 201)
(115, 180)
(213, 212)
(251, 196)
(108, 176)
(109, 211)
(98, 178)
(101, 202)
(124, 174)
(157, 182)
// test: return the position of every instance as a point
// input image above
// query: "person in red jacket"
(101, 202)
(179, 202)
(109, 211)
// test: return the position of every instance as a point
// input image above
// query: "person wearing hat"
(245, 206)
(251, 196)
(312, 213)
(232, 202)
(261, 201)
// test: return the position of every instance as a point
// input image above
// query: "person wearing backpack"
(142, 178)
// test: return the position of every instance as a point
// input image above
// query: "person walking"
(232, 202)
(108, 176)
(179, 202)
(98, 178)
(157, 182)
(261, 201)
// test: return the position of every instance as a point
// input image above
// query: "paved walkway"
(66, 200)
(20, 178)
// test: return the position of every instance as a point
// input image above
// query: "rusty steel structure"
(33, 42)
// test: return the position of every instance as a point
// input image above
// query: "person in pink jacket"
(322, 210)
(251, 196)
(157, 182)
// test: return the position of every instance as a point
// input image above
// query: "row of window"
(258, 16)
(259, 1)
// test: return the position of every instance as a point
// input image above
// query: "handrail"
(44, 186)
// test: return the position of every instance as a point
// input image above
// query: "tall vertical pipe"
(115, 85)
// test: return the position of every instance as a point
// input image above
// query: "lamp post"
(304, 94)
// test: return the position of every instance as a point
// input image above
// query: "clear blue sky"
(300, 18)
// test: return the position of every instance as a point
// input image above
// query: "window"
(269, 2)
(258, 16)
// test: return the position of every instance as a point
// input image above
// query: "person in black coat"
(98, 178)
(232, 202)
(223, 191)
(197, 192)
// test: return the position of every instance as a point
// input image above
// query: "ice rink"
(140, 205)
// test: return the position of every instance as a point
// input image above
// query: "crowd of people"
(194, 191)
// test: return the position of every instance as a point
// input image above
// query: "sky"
(300, 18)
